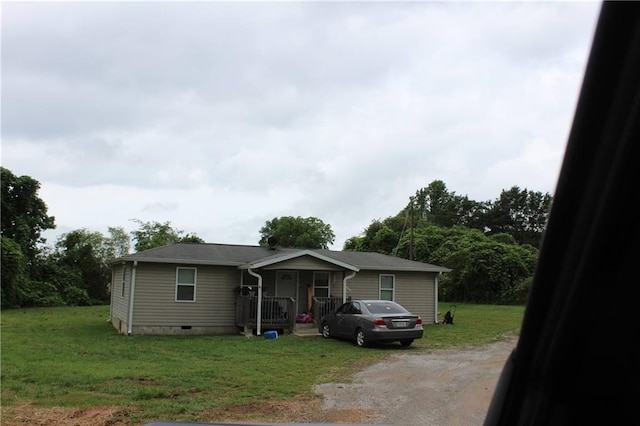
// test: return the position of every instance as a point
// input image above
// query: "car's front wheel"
(406, 342)
(326, 332)
(361, 340)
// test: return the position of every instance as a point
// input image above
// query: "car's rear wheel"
(406, 342)
(360, 338)
(326, 332)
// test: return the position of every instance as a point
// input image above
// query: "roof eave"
(403, 269)
(171, 260)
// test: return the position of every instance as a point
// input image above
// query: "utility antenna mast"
(411, 230)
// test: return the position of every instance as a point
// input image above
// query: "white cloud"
(218, 116)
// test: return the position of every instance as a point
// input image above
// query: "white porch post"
(259, 314)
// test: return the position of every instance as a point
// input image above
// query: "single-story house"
(191, 288)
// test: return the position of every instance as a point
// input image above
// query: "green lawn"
(72, 357)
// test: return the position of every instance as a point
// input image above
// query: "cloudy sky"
(219, 116)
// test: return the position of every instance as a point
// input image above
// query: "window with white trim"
(387, 287)
(321, 284)
(186, 284)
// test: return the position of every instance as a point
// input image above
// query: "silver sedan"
(368, 321)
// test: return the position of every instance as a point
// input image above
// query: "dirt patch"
(27, 414)
(447, 387)
(297, 410)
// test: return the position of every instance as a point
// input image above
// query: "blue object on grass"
(272, 334)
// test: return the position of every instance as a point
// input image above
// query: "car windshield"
(385, 308)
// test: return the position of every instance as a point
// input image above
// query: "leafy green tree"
(369, 237)
(156, 234)
(119, 242)
(13, 272)
(87, 254)
(385, 240)
(503, 238)
(520, 213)
(489, 272)
(435, 204)
(485, 269)
(381, 236)
(354, 244)
(77, 271)
(23, 219)
(299, 232)
(490, 247)
(192, 238)
(435, 244)
(56, 284)
(24, 214)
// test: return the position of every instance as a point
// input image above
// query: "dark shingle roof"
(244, 256)
(378, 261)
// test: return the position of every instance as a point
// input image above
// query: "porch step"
(306, 330)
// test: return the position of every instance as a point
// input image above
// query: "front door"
(287, 286)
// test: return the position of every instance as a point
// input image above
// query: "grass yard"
(71, 357)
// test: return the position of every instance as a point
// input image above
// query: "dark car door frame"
(346, 321)
(576, 361)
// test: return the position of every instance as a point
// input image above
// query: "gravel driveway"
(445, 387)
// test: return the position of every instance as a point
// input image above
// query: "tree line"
(490, 246)
(75, 270)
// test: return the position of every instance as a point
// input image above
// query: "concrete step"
(306, 330)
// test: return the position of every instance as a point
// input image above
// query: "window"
(186, 284)
(321, 284)
(344, 309)
(387, 284)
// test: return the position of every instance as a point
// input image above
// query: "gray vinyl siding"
(119, 303)
(308, 263)
(416, 292)
(155, 304)
(335, 284)
(413, 290)
(364, 285)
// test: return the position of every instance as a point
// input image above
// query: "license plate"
(401, 324)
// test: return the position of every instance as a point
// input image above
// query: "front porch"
(278, 313)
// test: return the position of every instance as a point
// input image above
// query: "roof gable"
(281, 257)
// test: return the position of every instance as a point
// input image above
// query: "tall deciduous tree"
(23, 219)
(520, 213)
(24, 214)
(299, 232)
(491, 247)
(156, 234)
(13, 272)
(435, 204)
(381, 236)
(489, 272)
(87, 254)
(119, 242)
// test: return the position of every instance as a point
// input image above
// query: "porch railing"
(276, 312)
(324, 305)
